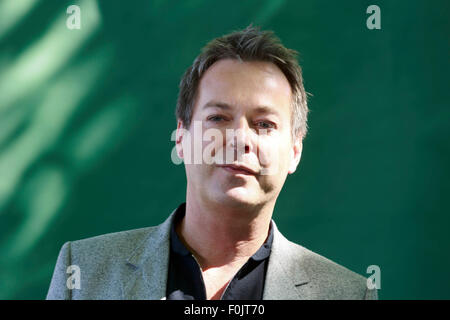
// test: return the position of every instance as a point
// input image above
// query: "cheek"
(273, 151)
(212, 151)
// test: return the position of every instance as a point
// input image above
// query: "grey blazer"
(134, 264)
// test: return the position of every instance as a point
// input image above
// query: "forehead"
(245, 84)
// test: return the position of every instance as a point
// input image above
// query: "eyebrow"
(216, 104)
(259, 109)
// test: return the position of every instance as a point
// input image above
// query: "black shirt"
(185, 281)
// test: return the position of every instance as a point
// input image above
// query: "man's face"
(253, 101)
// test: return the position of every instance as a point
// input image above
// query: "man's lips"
(238, 169)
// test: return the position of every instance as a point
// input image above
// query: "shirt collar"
(178, 247)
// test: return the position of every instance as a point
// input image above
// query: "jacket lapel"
(286, 277)
(147, 267)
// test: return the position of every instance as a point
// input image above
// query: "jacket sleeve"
(58, 287)
(371, 294)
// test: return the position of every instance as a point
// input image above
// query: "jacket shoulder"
(330, 280)
(102, 261)
(105, 263)
(116, 244)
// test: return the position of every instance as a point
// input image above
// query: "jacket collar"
(146, 269)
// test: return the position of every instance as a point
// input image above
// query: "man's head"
(250, 44)
(249, 83)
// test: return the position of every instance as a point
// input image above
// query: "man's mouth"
(238, 169)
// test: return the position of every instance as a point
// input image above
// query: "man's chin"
(239, 197)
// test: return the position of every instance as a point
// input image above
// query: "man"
(246, 91)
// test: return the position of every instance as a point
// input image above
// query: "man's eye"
(216, 118)
(265, 125)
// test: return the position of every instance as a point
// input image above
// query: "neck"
(221, 236)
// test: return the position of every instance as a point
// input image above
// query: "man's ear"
(296, 153)
(179, 139)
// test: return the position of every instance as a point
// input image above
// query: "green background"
(86, 118)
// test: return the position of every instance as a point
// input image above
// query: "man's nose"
(241, 139)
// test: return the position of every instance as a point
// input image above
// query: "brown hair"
(246, 45)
